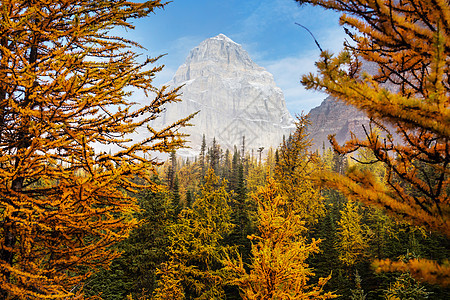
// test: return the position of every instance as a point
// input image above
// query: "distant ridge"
(334, 117)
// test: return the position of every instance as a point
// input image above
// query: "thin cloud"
(288, 71)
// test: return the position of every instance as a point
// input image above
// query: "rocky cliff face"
(334, 117)
(235, 97)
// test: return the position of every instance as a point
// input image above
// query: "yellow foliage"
(65, 84)
(408, 89)
(279, 269)
(193, 268)
(293, 173)
(352, 239)
(257, 176)
(407, 45)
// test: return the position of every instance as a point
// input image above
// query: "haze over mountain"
(234, 95)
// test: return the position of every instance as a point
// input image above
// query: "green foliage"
(145, 249)
(406, 288)
(196, 243)
(358, 293)
(293, 173)
(185, 272)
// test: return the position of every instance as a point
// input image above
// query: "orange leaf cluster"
(420, 269)
(65, 85)
(406, 46)
(409, 44)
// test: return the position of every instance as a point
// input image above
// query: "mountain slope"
(334, 117)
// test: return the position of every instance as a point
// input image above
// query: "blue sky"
(265, 29)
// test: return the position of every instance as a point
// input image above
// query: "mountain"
(335, 117)
(234, 95)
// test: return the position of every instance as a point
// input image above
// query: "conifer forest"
(368, 219)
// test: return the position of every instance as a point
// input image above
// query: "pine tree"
(405, 287)
(278, 269)
(193, 268)
(358, 293)
(293, 173)
(352, 242)
(214, 156)
(226, 167)
(171, 170)
(189, 198)
(134, 272)
(235, 165)
(202, 157)
(408, 44)
(176, 197)
(65, 84)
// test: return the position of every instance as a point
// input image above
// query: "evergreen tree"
(176, 197)
(189, 198)
(172, 170)
(293, 171)
(134, 272)
(226, 168)
(242, 211)
(196, 243)
(234, 181)
(202, 157)
(358, 293)
(381, 229)
(214, 156)
(277, 155)
(278, 267)
(405, 287)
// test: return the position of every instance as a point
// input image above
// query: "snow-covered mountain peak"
(223, 37)
(221, 49)
(234, 95)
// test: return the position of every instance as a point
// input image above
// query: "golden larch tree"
(279, 268)
(293, 172)
(65, 86)
(352, 242)
(407, 42)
